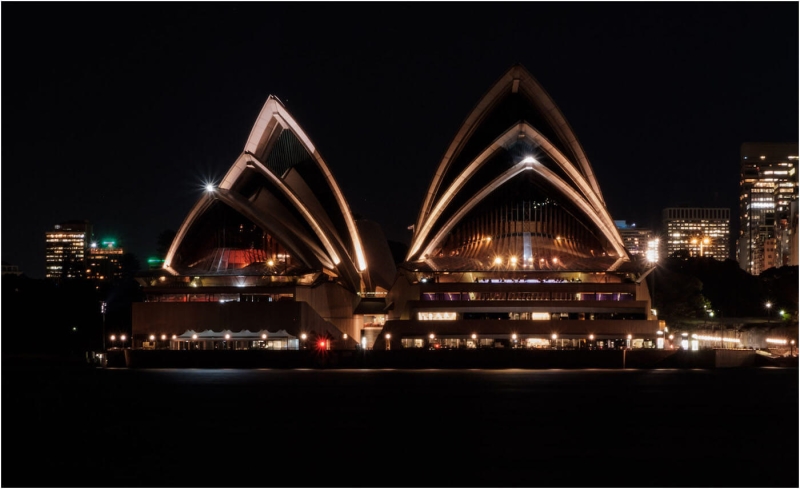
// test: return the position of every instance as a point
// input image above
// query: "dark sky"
(118, 112)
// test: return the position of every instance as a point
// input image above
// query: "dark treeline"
(44, 316)
(687, 289)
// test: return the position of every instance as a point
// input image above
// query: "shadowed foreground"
(68, 426)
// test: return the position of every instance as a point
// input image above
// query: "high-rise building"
(637, 240)
(768, 186)
(11, 269)
(634, 238)
(104, 261)
(698, 231)
(65, 249)
(786, 235)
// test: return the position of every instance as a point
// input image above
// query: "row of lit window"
(527, 296)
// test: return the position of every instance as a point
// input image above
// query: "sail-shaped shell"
(278, 210)
(515, 187)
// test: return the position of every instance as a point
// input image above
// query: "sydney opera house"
(513, 247)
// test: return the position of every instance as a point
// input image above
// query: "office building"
(66, 247)
(786, 236)
(697, 231)
(768, 186)
(104, 261)
(640, 242)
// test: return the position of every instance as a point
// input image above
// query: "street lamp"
(554, 337)
(112, 338)
(103, 312)
(591, 341)
(768, 305)
(303, 337)
(629, 341)
(122, 339)
(388, 341)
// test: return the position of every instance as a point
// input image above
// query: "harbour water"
(79, 426)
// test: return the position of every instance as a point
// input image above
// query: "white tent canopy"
(240, 335)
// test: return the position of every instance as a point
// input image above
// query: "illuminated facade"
(768, 186)
(786, 236)
(701, 232)
(66, 247)
(103, 261)
(640, 242)
(513, 245)
(273, 247)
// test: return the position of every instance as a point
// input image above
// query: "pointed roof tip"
(275, 98)
(519, 68)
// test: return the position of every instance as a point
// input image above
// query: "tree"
(680, 298)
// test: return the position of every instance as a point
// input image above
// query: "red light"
(322, 344)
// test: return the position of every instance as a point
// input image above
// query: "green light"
(109, 242)
(155, 260)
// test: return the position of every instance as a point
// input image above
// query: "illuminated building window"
(436, 316)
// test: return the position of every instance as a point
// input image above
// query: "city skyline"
(125, 132)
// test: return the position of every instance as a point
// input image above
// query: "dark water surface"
(83, 427)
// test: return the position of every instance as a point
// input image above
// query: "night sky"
(117, 113)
